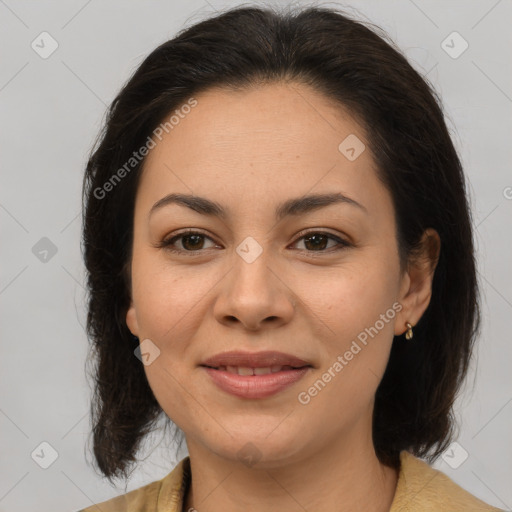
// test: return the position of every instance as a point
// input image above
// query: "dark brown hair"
(359, 69)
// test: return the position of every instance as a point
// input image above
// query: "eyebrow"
(296, 206)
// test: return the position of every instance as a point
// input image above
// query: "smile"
(255, 383)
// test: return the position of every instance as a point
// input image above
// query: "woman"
(277, 216)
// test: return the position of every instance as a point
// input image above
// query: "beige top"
(420, 488)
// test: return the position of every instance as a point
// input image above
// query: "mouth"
(255, 375)
(244, 361)
(263, 370)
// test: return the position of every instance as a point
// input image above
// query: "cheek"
(348, 298)
(357, 309)
(168, 297)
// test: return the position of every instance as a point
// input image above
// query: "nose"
(254, 295)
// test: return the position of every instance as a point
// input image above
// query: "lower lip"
(255, 386)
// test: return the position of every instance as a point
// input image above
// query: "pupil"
(189, 237)
(316, 244)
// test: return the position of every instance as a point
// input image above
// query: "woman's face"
(315, 282)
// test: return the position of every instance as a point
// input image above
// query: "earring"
(408, 334)
(135, 338)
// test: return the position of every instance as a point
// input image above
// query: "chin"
(259, 450)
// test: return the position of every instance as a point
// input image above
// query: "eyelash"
(167, 244)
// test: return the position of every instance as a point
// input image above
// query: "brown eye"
(318, 241)
(190, 241)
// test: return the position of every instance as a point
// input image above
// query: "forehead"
(284, 116)
(270, 141)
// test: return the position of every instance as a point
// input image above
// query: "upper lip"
(254, 360)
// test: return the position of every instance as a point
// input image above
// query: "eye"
(191, 242)
(317, 241)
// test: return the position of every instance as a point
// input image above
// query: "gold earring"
(408, 334)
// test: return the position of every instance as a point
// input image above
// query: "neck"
(339, 478)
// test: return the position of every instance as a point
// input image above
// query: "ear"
(131, 320)
(416, 286)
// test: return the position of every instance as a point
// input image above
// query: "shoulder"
(142, 499)
(422, 488)
(165, 494)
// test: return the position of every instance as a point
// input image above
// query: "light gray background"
(51, 111)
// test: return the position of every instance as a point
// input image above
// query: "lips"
(248, 360)
(255, 375)
(247, 370)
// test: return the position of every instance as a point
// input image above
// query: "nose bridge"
(253, 292)
(252, 275)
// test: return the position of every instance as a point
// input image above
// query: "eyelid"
(320, 231)
(342, 243)
(166, 243)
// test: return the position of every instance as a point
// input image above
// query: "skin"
(249, 151)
